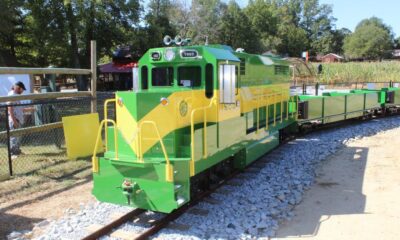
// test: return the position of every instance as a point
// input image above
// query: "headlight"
(169, 54)
(164, 101)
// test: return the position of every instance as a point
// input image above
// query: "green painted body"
(396, 92)
(243, 136)
(338, 106)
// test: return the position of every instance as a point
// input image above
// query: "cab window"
(209, 80)
(162, 76)
(189, 76)
(144, 78)
(227, 83)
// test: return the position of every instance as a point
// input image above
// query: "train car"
(337, 106)
(196, 113)
(334, 106)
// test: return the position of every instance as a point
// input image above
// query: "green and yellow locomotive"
(194, 111)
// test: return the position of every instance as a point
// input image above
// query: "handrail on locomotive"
(95, 163)
(203, 108)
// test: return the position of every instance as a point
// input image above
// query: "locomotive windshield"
(189, 76)
(162, 76)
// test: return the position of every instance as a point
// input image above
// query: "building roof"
(332, 54)
(116, 68)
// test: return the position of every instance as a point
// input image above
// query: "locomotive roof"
(223, 52)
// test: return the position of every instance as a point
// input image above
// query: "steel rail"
(161, 223)
(109, 227)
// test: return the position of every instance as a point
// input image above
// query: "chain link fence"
(40, 139)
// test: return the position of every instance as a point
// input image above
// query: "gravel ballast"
(253, 207)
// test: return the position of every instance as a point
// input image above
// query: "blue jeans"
(15, 142)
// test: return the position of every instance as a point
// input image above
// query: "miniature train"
(197, 113)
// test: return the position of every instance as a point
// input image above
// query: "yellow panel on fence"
(80, 133)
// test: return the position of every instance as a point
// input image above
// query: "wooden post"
(93, 76)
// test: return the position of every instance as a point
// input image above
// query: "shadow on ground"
(11, 223)
(337, 191)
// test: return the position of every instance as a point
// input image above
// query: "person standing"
(16, 117)
(319, 68)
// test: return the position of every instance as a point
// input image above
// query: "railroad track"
(164, 221)
(158, 224)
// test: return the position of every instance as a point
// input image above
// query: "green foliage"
(58, 33)
(12, 39)
(263, 22)
(384, 71)
(234, 29)
(290, 27)
(397, 43)
(205, 20)
(158, 24)
(372, 39)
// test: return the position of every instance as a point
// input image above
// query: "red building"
(331, 57)
(115, 76)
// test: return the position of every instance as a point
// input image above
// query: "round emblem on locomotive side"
(183, 108)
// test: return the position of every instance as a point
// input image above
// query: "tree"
(397, 43)
(338, 39)
(234, 30)
(205, 20)
(317, 21)
(45, 31)
(158, 24)
(332, 41)
(264, 23)
(292, 26)
(12, 22)
(180, 17)
(293, 39)
(372, 39)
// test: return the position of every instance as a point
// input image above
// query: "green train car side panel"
(231, 131)
(315, 106)
(266, 139)
(371, 102)
(355, 105)
(396, 94)
(338, 106)
(334, 109)
(261, 147)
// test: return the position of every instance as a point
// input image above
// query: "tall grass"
(360, 72)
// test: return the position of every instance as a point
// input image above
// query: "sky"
(350, 12)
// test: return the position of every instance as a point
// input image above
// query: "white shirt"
(18, 110)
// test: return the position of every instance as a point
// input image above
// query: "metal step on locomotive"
(196, 113)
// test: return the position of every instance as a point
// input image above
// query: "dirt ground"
(24, 212)
(356, 196)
